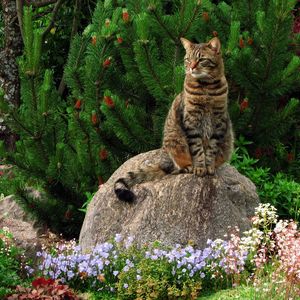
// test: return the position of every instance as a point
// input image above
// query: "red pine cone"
(241, 43)
(94, 118)
(106, 63)
(94, 40)
(205, 16)
(125, 16)
(250, 41)
(119, 40)
(109, 101)
(244, 104)
(78, 104)
(103, 154)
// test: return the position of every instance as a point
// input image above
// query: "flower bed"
(119, 268)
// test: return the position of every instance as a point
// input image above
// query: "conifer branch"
(151, 68)
(33, 92)
(54, 15)
(98, 82)
(189, 24)
(161, 23)
(75, 23)
(87, 136)
(75, 73)
(21, 125)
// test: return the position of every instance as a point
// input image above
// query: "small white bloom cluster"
(265, 215)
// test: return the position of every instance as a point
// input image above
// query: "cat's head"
(203, 61)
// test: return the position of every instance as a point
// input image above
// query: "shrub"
(268, 252)
(279, 190)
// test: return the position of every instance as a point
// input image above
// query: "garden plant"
(262, 263)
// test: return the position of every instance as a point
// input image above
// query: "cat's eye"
(206, 62)
(203, 59)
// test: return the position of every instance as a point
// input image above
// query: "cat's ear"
(186, 44)
(214, 44)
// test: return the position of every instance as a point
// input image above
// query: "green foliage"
(279, 190)
(89, 197)
(284, 194)
(9, 264)
(157, 281)
(39, 158)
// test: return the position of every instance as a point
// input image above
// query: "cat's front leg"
(198, 155)
(210, 156)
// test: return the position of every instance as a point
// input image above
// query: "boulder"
(173, 210)
(28, 234)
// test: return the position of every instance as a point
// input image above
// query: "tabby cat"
(198, 135)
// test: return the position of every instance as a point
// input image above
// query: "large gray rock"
(176, 209)
(28, 234)
(24, 230)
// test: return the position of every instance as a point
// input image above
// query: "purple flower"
(118, 238)
(70, 274)
(129, 241)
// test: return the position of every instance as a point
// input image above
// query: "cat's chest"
(201, 119)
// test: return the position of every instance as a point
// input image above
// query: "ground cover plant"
(10, 263)
(263, 263)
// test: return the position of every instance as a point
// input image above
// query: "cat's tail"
(123, 185)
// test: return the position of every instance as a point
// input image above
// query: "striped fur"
(198, 135)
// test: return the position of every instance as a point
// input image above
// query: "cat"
(198, 135)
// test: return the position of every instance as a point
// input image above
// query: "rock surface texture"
(28, 234)
(173, 210)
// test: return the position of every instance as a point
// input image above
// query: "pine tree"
(147, 64)
(41, 128)
(122, 74)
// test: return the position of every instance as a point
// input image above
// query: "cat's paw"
(188, 169)
(211, 170)
(199, 171)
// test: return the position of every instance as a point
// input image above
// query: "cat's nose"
(193, 65)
